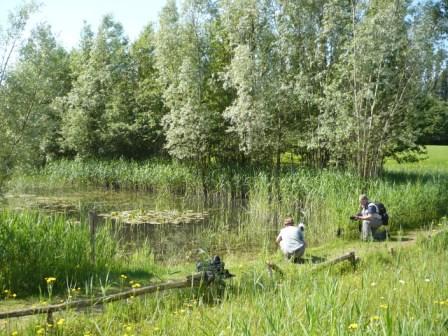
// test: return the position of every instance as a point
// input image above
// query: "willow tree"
(40, 76)
(367, 102)
(185, 64)
(264, 73)
(11, 36)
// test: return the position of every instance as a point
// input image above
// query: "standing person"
(291, 240)
(369, 216)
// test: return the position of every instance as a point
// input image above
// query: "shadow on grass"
(400, 239)
(309, 260)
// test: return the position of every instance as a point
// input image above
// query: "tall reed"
(34, 247)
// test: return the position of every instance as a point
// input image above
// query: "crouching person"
(369, 217)
(292, 240)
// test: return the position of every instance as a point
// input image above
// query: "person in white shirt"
(291, 239)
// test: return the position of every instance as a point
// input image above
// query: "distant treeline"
(337, 83)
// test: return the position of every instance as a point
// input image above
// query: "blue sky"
(66, 16)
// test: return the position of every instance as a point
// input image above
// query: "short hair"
(363, 197)
(288, 220)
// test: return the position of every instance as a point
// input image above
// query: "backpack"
(382, 211)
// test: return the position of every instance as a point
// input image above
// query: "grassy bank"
(36, 247)
(404, 293)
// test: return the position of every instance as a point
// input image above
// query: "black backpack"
(382, 212)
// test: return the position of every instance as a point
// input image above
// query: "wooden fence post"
(93, 218)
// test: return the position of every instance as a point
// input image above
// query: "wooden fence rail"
(196, 279)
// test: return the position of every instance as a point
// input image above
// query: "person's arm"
(279, 239)
(371, 210)
(365, 217)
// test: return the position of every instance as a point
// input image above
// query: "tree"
(10, 39)
(100, 109)
(367, 102)
(148, 95)
(40, 75)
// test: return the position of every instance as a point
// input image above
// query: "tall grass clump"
(159, 176)
(325, 200)
(34, 247)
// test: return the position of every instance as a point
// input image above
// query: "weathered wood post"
(93, 218)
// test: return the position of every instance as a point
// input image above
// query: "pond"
(171, 224)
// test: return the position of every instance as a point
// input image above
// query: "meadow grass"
(405, 293)
(36, 247)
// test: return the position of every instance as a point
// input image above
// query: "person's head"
(363, 200)
(288, 221)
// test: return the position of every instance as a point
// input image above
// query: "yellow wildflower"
(123, 276)
(40, 331)
(374, 318)
(14, 333)
(50, 280)
(136, 285)
(60, 322)
(353, 326)
(384, 306)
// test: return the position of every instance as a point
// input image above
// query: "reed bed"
(35, 247)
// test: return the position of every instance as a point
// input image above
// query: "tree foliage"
(342, 84)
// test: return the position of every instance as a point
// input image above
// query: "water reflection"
(165, 240)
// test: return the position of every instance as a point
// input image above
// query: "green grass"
(401, 294)
(404, 293)
(35, 247)
(436, 158)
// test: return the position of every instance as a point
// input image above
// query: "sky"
(66, 16)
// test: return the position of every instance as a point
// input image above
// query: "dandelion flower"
(374, 318)
(60, 322)
(136, 285)
(123, 276)
(353, 326)
(50, 280)
(40, 331)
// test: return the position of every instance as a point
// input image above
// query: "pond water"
(166, 240)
